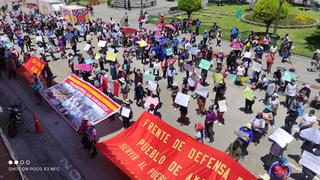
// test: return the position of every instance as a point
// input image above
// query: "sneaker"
(211, 141)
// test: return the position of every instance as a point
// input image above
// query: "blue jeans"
(170, 81)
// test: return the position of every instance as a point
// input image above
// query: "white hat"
(317, 51)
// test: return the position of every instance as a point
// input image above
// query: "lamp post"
(278, 17)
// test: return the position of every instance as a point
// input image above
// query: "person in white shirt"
(258, 125)
(290, 92)
(240, 73)
(308, 120)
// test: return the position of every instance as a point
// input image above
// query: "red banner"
(152, 149)
(74, 98)
(33, 65)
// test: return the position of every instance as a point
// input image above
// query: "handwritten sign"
(310, 161)
(102, 43)
(152, 86)
(169, 52)
(142, 43)
(281, 137)
(188, 67)
(222, 106)
(125, 112)
(87, 47)
(151, 100)
(182, 99)
(202, 91)
(111, 56)
(204, 64)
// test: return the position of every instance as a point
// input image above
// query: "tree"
(266, 11)
(189, 6)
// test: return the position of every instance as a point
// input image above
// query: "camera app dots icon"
(10, 162)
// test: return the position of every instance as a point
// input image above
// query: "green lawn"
(305, 41)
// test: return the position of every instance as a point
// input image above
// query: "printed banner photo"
(74, 98)
(33, 65)
(152, 149)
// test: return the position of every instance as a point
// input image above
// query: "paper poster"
(38, 39)
(152, 86)
(142, 43)
(281, 137)
(150, 101)
(256, 66)
(217, 78)
(232, 77)
(111, 56)
(310, 161)
(111, 49)
(97, 56)
(148, 76)
(193, 50)
(202, 91)
(222, 106)
(125, 112)
(87, 47)
(204, 64)
(102, 43)
(191, 82)
(188, 67)
(247, 55)
(248, 93)
(169, 51)
(311, 134)
(182, 99)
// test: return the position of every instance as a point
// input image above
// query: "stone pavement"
(65, 140)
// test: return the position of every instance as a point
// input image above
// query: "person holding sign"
(211, 117)
(258, 125)
(126, 113)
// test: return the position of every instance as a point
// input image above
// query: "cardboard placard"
(182, 99)
(281, 137)
(150, 101)
(102, 43)
(204, 64)
(222, 106)
(310, 161)
(202, 90)
(125, 112)
(111, 56)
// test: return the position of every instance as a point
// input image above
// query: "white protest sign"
(38, 38)
(191, 82)
(311, 134)
(193, 50)
(222, 106)
(110, 49)
(247, 55)
(87, 47)
(102, 43)
(182, 99)
(152, 86)
(125, 112)
(202, 91)
(256, 66)
(310, 161)
(188, 67)
(281, 137)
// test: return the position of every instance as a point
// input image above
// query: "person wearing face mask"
(308, 120)
(280, 170)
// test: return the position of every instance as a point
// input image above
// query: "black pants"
(209, 131)
(126, 122)
(289, 122)
(92, 146)
(101, 65)
(248, 106)
(257, 136)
